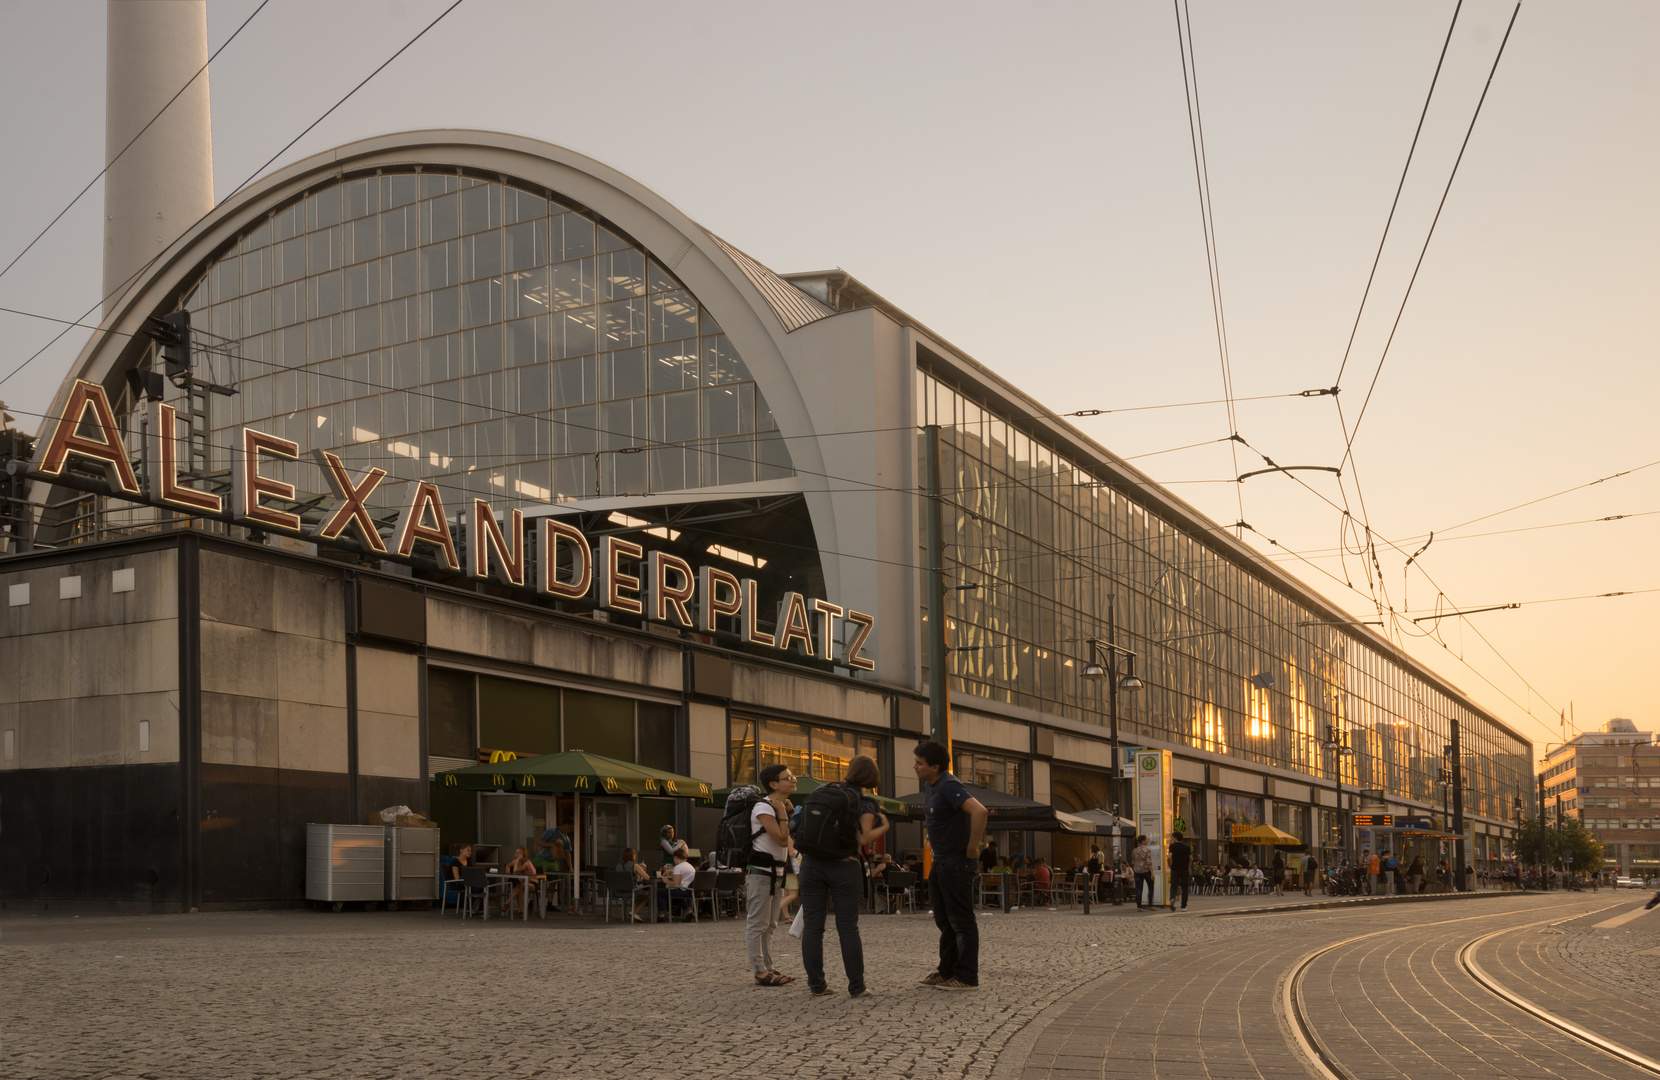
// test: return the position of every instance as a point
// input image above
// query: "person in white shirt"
(676, 883)
(764, 877)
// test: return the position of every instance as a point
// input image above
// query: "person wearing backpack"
(1311, 870)
(956, 824)
(836, 820)
(764, 862)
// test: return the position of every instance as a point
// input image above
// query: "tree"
(1570, 839)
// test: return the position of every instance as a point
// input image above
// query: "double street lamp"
(1341, 748)
(1104, 661)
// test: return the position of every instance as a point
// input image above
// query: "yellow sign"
(498, 756)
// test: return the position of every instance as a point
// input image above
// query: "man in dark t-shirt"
(1181, 868)
(956, 824)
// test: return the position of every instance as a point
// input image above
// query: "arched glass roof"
(499, 341)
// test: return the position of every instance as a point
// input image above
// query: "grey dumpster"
(345, 863)
(411, 864)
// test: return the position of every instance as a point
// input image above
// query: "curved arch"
(711, 271)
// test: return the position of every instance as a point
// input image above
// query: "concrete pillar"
(164, 183)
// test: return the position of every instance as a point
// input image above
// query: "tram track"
(1320, 1055)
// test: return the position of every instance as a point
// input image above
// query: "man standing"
(1141, 861)
(1181, 868)
(956, 824)
(770, 848)
(1373, 866)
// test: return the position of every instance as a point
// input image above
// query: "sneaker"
(823, 991)
(955, 984)
(863, 994)
(933, 978)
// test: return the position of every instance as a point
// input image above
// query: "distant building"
(1611, 780)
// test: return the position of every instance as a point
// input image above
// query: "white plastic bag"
(800, 922)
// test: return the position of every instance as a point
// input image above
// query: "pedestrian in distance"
(837, 820)
(1311, 869)
(1374, 867)
(1141, 862)
(1181, 869)
(1278, 868)
(764, 871)
(956, 823)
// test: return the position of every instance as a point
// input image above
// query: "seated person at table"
(631, 863)
(521, 864)
(879, 867)
(676, 884)
(463, 857)
(1041, 877)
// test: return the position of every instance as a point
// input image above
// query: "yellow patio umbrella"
(1266, 834)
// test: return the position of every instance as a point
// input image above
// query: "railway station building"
(482, 446)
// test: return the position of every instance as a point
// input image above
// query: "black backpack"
(734, 839)
(829, 823)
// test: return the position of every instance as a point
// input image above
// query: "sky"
(1020, 179)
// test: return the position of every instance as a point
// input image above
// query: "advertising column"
(1155, 813)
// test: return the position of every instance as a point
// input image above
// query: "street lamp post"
(1103, 658)
(1340, 748)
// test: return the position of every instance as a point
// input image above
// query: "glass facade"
(820, 752)
(1230, 662)
(501, 342)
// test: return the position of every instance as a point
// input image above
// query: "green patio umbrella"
(576, 773)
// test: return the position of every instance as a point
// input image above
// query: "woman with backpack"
(836, 819)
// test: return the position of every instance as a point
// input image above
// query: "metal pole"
(939, 702)
(1460, 856)
(1112, 699)
(1544, 882)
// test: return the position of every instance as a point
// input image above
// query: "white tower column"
(164, 183)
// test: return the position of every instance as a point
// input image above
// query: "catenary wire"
(107, 165)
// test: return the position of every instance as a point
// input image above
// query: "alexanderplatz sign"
(620, 575)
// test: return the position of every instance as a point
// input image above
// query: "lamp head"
(1130, 684)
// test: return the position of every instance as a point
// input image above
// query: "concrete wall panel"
(785, 690)
(988, 731)
(309, 605)
(311, 738)
(388, 681)
(238, 730)
(388, 745)
(1071, 748)
(708, 741)
(238, 660)
(309, 669)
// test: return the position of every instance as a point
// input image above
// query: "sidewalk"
(1266, 903)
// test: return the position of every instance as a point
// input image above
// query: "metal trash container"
(345, 863)
(411, 863)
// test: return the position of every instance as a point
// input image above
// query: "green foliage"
(1571, 838)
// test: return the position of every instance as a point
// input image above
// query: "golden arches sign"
(450, 780)
(610, 783)
(498, 756)
(581, 781)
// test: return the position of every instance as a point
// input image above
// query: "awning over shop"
(1017, 814)
(1109, 824)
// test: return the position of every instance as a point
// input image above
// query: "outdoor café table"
(541, 884)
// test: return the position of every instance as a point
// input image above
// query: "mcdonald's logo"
(449, 780)
(668, 785)
(528, 780)
(651, 784)
(582, 781)
(610, 783)
(498, 756)
(499, 780)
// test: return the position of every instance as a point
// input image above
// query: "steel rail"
(1320, 1057)
(1467, 960)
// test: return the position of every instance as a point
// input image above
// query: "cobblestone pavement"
(302, 994)
(1625, 957)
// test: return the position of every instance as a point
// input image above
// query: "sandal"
(782, 979)
(772, 978)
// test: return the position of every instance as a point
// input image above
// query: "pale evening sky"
(1019, 178)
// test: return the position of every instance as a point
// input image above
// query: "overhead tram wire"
(1350, 433)
(152, 261)
(1207, 220)
(118, 155)
(1371, 276)
(342, 101)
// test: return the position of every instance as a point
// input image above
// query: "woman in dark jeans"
(842, 881)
